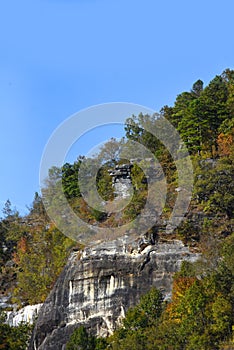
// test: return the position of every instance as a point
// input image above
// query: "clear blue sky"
(60, 56)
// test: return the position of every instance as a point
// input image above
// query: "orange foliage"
(22, 245)
(225, 142)
(21, 249)
(15, 258)
(180, 286)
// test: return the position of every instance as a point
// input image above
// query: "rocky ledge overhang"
(98, 285)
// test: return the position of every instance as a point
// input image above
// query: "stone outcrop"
(98, 285)
(27, 314)
(121, 180)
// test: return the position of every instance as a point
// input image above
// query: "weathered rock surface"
(121, 180)
(97, 287)
(27, 314)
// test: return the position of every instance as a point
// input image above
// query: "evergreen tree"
(81, 340)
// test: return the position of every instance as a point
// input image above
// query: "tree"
(131, 335)
(110, 152)
(193, 126)
(13, 338)
(214, 187)
(228, 77)
(214, 108)
(197, 88)
(70, 179)
(135, 131)
(81, 340)
(11, 229)
(40, 258)
(199, 113)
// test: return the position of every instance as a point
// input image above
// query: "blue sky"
(60, 56)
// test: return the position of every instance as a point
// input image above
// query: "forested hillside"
(201, 312)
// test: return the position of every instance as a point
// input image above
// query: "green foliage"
(11, 227)
(104, 183)
(189, 232)
(135, 131)
(146, 314)
(198, 114)
(214, 186)
(197, 88)
(204, 119)
(199, 315)
(40, 259)
(110, 152)
(181, 106)
(70, 179)
(33, 253)
(11, 230)
(81, 340)
(13, 338)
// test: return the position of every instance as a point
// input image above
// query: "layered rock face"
(98, 285)
(121, 180)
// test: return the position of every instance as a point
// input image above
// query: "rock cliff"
(98, 285)
(27, 314)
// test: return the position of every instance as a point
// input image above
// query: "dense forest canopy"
(200, 315)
